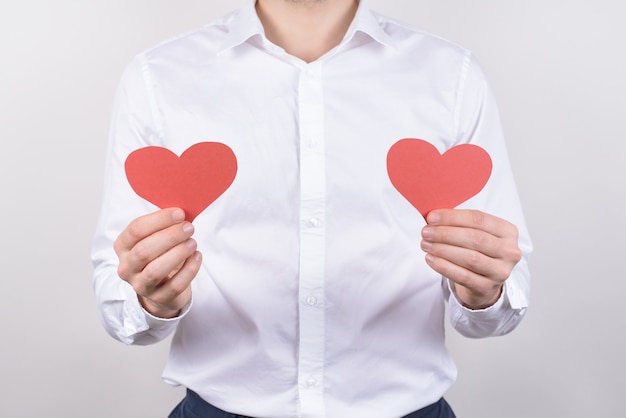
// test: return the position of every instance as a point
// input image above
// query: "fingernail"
(433, 217)
(191, 244)
(197, 256)
(430, 258)
(188, 228)
(426, 245)
(178, 215)
(428, 232)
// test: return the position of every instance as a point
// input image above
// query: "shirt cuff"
(154, 322)
(141, 327)
(493, 320)
(510, 293)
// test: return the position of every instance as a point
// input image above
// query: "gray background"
(558, 69)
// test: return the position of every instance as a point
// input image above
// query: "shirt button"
(314, 222)
(311, 381)
(311, 301)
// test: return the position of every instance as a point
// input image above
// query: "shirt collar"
(245, 24)
(367, 22)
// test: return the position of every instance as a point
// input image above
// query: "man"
(311, 288)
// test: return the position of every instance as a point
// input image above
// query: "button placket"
(312, 241)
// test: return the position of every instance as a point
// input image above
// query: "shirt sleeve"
(134, 124)
(477, 121)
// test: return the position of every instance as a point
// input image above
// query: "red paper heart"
(430, 180)
(192, 182)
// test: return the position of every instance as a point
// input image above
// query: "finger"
(481, 288)
(147, 250)
(147, 225)
(452, 271)
(159, 243)
(169, 292)
(473, 239)
(467, 259)
(162, 268)
(474, 219)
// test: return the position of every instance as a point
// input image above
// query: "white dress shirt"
(314, 299)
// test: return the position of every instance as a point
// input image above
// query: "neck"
(306, 29)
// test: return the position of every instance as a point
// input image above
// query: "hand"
(158, 258)
(475, 250)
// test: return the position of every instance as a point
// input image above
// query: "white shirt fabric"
(314, 299)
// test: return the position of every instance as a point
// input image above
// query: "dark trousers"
(193, 406)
